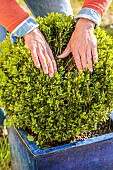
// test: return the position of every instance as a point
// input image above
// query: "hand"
(83, 45)
(40, 52)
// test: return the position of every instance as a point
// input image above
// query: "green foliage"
(59, 108)
(4, 154)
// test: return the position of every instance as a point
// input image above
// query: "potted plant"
(47, 114)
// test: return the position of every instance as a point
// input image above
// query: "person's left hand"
(83, 45)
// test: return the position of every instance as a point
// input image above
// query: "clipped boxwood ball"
(59, 108)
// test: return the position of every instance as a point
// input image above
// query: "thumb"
(65, 53)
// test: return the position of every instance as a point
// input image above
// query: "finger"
(52, 58)
(65, 53)
(82, 53)
(42, 59)
(89, 60)
(35, 57)
(94, 53)
(77, 59)
(49, 63)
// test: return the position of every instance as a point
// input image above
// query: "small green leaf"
(30, 138)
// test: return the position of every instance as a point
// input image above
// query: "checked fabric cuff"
(90, 14)
(25, 27)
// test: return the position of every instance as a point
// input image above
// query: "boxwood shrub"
(59, 108)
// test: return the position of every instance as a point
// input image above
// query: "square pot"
(90, 154)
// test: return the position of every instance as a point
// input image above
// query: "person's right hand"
(83, 45)
(40, 52)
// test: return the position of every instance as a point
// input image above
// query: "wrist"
(85, 23)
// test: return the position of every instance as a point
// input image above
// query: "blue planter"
(91, 154)
(2, 117)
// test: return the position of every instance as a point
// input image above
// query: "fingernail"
(96, 60)
(91, 69)
(38, 66)
(58, 56)
(46, 71)
(51, 74)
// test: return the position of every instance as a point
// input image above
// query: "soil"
(101, 130)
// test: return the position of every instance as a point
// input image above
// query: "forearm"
(98, 5)
(11, 14)
(94, 10)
